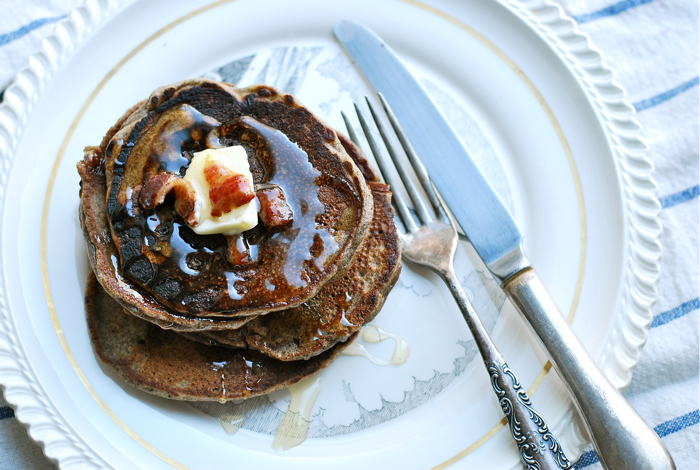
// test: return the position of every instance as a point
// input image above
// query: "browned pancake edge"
(166, 364)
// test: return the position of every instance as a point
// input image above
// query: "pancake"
(166, 364)
(339, 310)
(153, 263)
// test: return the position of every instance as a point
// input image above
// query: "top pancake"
(343, 305)
(158, 268)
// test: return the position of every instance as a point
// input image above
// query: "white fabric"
(652, 45)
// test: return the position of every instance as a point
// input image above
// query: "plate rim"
(642, 233)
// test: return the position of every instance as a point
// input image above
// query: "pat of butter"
(241, 218)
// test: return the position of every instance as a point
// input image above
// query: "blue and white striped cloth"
(652, 45)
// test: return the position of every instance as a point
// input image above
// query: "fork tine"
(404, 213)
(351, 131)
(417, 165)
(416, 199)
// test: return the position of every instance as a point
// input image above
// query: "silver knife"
(621, 437)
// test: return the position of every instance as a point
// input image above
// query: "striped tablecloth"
(652, 45)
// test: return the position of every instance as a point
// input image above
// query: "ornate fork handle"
(539, 449)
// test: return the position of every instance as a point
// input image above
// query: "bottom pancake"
(165, 363)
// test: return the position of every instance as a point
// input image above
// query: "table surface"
(652, 46)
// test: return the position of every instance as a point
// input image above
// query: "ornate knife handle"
(622, 439)
(539, 450)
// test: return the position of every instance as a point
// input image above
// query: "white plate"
(526, 92)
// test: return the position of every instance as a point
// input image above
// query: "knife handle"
(621, 437)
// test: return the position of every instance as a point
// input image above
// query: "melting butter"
(241, 218)
(294, 427)
(374, 334)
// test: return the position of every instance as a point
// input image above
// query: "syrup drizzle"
(216, 367)
(374, 334)
(181, 249)
(297, 177)
(188, 130)
(344, 305)
(294, 427)
(232, 292)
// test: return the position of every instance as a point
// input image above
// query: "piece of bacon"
(185, 200)
(157, 188)
(274, 210)
(227, 190)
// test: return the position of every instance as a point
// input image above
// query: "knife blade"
(486, 221)
(621, 437)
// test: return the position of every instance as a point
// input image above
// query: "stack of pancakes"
(221, 317)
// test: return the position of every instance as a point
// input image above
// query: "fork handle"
(538, 448)
(621, 437)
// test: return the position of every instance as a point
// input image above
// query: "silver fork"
(432, 243)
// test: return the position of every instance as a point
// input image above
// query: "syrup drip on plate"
(232, 422)
(294, 428)
(374, 334)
